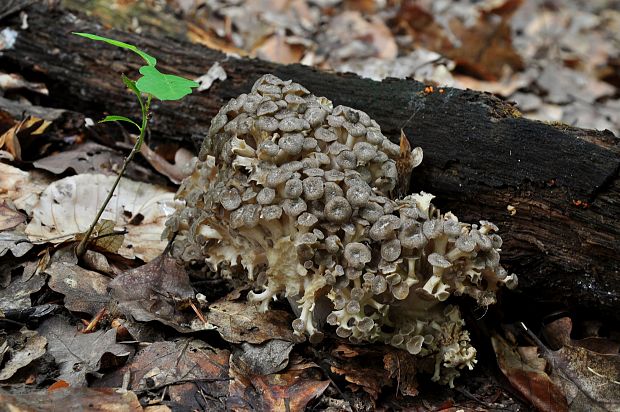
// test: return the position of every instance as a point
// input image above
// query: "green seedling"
(152, 84)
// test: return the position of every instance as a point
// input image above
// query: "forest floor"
(72, 338)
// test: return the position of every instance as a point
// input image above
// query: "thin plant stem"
(82, 246)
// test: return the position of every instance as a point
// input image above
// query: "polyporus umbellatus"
(302, 196)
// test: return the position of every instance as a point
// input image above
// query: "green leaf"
(115, 118)
(131, 84)
(150, 60)
(163, 86)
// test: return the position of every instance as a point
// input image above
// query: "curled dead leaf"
(526, 376)
(156, 291)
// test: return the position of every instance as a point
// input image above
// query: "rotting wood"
(481, 158)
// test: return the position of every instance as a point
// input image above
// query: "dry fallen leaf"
(72, 399)
(351, 36)
(85, 291)
(79, 354)
(182, 167)
(589, 379)
(28, 346)
(290, 390)
(240, 322)
(14, 81)
(23, 188)
(9, 217)
(373, 369)
(277, 49)
(31, 126)
(168, 363)
(155, 291)
(215, 72)
(68, 206)
(264, 359)
(85, 158)
(526, 373)
(478, 40)
(17, 295)
(14, 241)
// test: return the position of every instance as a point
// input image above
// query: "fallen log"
(553, 190)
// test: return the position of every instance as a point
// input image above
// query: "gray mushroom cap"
(292, 143)
(230, 199)
(325, 135)
(371, 212)
(293, 188)
(277, 176)
(338, 210)
(384, 227)
(358, 195)
(465, 243)
(364, 151)
(314, 188)
(379, 285)
(272, 212)
(266, 196)
(294, 207)
(268, 148)
(438, 260)
(307, 219)
(357, 254)
(390, 250)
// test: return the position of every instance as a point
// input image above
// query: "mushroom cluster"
(300, 196)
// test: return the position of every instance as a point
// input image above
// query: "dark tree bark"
(480, 155)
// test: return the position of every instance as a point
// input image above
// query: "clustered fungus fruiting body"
(299, 194)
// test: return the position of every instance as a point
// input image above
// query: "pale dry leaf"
(589, 379)
(276, 48)
(105, 238)
(30, 126)
(350, 35)
(264, 359)
(215, 72)
(68, 206)
(8, 37)
(290, 390)
(99, 263)
(22, 187)
(183, 163)
(15, 81)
